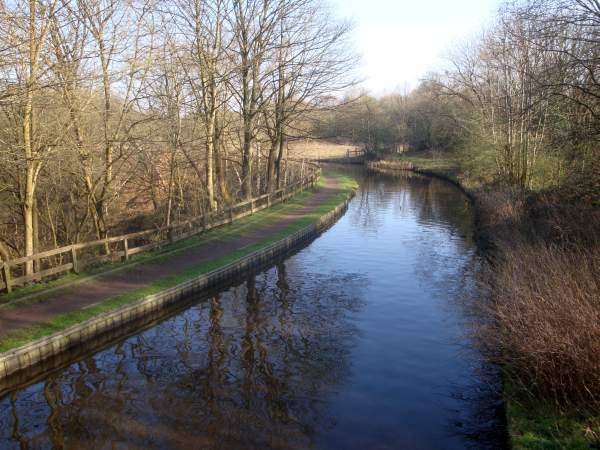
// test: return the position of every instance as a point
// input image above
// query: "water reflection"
(357, 341)
(432, 201)
(249, 367)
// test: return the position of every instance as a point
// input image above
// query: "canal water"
(358, 341)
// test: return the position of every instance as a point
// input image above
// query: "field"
(318, 149)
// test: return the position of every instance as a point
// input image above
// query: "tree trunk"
(246, 163)
(210, 146)
(221, 170)
(281, 144)
(271, 166)
(108, 150)
(30, 163)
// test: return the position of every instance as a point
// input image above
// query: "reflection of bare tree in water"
(431, 199)
(52, 396)
(282, 358)
(16, 434)
(252, 367)
(365, 213)
(282, 283)
(248, 350)
(215, 364)
(264, 363)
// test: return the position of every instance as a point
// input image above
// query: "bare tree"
(119, 113)
(253, 25)
(120, 39)
(25, 40)
(311, 63)
(201, 23)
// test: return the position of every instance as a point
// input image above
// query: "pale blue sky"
(401, 40)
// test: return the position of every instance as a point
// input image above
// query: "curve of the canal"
(360, 340)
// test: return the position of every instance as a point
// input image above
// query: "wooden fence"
(76, 256)
(355, 153)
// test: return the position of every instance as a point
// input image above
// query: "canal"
(358, 341)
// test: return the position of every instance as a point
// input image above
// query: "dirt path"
(100, 288)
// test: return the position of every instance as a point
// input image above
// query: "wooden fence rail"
(355, 153)
(124, 244)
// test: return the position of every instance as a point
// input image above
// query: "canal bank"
(49, 324)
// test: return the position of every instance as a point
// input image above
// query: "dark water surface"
(357, 341)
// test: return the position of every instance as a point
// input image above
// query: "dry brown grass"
(545, 317)
(319, 149)
(391, 165)
(547, 314)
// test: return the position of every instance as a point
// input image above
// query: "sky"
(399, 41)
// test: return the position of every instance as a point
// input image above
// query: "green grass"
(262, 218)
(466, 167)
(536, 425)
(442, 165)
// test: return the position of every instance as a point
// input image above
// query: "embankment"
(115, 314)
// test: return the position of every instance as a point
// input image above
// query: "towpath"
(46, 305)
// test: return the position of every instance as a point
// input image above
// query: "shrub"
(546, 320)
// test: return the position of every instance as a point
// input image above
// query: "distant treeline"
(522, 100)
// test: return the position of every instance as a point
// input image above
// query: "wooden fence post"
(252, 206)
(74, 259)
(6, 276)
(125, 249)
(231, 215)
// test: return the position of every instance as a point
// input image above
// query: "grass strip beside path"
(344, 186)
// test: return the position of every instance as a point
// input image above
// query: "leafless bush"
(543, 323)
(502, 213)
(547, 320)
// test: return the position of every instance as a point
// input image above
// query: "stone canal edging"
(41, 350)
